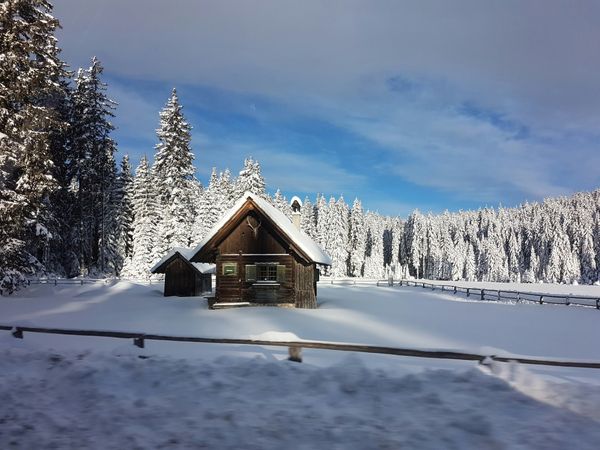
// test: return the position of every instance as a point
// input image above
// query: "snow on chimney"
(296, 204)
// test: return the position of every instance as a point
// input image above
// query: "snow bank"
(97, 400)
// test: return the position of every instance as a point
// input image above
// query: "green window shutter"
(250, 272)
(229, 269)
(280, 274)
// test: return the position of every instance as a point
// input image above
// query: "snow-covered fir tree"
(281, 203)
(124, 193)
(30, 74)
(323, 220)
(145, 219)
(93, 171)
(226, 187)
(173, 175)
(209, 206)
(374, 263)
(338, 236)
(250, 179)
(308, 219)
(61, 258)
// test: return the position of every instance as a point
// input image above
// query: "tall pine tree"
(30, 74)
(145, 217)
(173, 174)
(93, 171)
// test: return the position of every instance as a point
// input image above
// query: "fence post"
(498, 295)
(454, 290)
(295, 354)
(483, 294)
(598, 303)
(139, 341)
(567, 300)
(17, 333)
(518, 297)
(541, 299)
(55, 282)
(468, 291)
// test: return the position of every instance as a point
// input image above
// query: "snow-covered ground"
(65, 391)
(402, 317)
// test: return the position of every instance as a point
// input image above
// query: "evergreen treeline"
(66, 209)
(556, 241)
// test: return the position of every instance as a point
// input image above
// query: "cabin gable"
(253, 234)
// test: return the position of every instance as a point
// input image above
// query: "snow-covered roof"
(187, 254)
(205, 267)
(304, 243)
(295, 198)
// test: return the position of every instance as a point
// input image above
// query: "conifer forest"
(68, 208)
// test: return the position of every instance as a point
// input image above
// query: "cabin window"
(265, 272)
(230, 269)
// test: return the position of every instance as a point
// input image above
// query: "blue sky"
(432, 105)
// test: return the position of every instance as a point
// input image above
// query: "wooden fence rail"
(479, 293)
(140, 338)
(82, 281)
(470, 292)
(507, 295)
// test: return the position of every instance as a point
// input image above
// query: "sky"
(428, 105)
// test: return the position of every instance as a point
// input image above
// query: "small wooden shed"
(260, 257)
(184, 278)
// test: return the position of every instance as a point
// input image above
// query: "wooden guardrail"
(140, 338)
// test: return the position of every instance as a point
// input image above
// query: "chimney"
(296, 204)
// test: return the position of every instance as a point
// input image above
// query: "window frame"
(227, 265)
(270, 275)
(266, 273)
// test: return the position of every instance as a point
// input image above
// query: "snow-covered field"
(64, 391)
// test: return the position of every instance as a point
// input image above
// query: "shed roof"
(185, 254)
(309, 249)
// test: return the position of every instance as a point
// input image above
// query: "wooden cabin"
(261, 257)
(184, 278)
